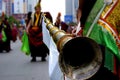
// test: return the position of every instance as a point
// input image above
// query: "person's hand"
(77, 29)
(73, 32)
(27, 27)
(27, 31)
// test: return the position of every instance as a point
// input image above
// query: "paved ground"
(15, 65)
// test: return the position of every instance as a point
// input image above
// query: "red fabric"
(64, 26)
(48, 15)
(0, 36)
(35, 32)
(14, 34)
(35, 37)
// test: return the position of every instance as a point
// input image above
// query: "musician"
(86, 18)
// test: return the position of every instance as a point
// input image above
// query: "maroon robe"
(37, 46)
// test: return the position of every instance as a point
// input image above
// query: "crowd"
(8, 33)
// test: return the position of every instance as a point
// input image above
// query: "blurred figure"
(60, 24)
(1, 36)
(25, 48)
(28, 18)
(5, 26)
(14, 32)
(58, 20)
(21, 31)
(34, 31)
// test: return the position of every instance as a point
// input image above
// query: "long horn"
(80, 57)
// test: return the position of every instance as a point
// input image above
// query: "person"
(21, 29)
(60, 24)
(34, 31)
(14, 32)
(82, 14)
(98, 23)
(28, 18)
(5, 26)
(1, 36)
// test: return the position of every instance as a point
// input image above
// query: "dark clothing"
(35, 36)
(104, 74)
(63, 25)
(48, 15)
(5, 45)
(88, 5)
(40, 51)
(28, 18)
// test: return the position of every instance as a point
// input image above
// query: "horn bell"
(80, 58)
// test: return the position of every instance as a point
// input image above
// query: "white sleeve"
(32, 18)
(78, 28)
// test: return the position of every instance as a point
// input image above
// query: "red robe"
(37, 46)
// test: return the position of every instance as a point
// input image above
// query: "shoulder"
(32, 15)
(48, 15)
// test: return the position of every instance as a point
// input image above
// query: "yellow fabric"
(35, 26)
(111, 15)
(37, 19)
(114, 17)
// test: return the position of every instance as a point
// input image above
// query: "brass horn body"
(80, 57)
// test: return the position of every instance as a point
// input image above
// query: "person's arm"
(77, 28)
(79, 10)
(28, 26)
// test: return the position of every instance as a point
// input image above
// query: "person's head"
(38, 7)
(58, 19)
(59, 14)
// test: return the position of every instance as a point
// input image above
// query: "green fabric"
(4, 38)
(95, 10)
(102, 36)
(109, 60)
(25, 44)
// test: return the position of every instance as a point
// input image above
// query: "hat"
(38, 4)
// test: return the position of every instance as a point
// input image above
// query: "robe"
(37, 46)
